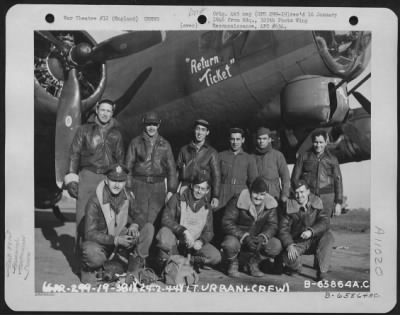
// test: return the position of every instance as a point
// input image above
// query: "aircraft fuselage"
(232, 84)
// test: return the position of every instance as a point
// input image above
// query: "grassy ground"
(357, 220)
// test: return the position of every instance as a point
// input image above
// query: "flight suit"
(271, 165)
(152, 172)
(237, 173)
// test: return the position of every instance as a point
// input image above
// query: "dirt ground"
(56, 264)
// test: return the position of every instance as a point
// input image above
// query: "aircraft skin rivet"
(68, 121)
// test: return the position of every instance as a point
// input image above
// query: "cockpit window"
(344, 51)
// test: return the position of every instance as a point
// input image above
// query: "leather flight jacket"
(96, 228)
(96, 148)
(151, 165)
(296, 220)
(192, 160)
(321, 173)
(241, 219)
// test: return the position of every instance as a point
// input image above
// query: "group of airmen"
(217, 207)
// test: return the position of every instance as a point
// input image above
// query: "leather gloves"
(251, 242)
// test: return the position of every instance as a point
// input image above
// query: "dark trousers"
(328, 201)
(232, 247)
(320, 247)
(168, 243)
(150, 198)
(94, 255)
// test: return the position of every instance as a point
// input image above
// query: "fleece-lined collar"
(244, 202)
(313, 202)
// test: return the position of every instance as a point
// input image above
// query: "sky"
(356, 176)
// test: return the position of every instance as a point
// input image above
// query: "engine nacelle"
(349, 141)
(314, 100)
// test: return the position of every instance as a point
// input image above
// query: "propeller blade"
(68, 121)
(365, 103)
(124, 45)
(51, 38)
(360, 83)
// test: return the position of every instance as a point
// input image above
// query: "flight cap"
(202, 122)
(263, 131)
(151, 118)
(259, 185)
(117, 172)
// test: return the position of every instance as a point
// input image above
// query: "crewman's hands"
(197, 245)
(129, 187)
(261, 239)
(73, 188)
(292, 252)
(338, 209)
(169, 195)
(214, 203)
(189, 240)
(306, 234)
(133, 231)
(123, 240)
(251, 242)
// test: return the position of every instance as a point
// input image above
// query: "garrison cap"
(259, 185)
(202, 122)
(263, 131)
(117, 172)
(300, 183)
(236, 130)
(151, 118)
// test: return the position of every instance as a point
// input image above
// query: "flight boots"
(253, 268)
(161, 259)
(197, 261)
(89, 276)
(135, 264)
(232, 269)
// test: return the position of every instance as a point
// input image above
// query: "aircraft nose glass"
(343, 51)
